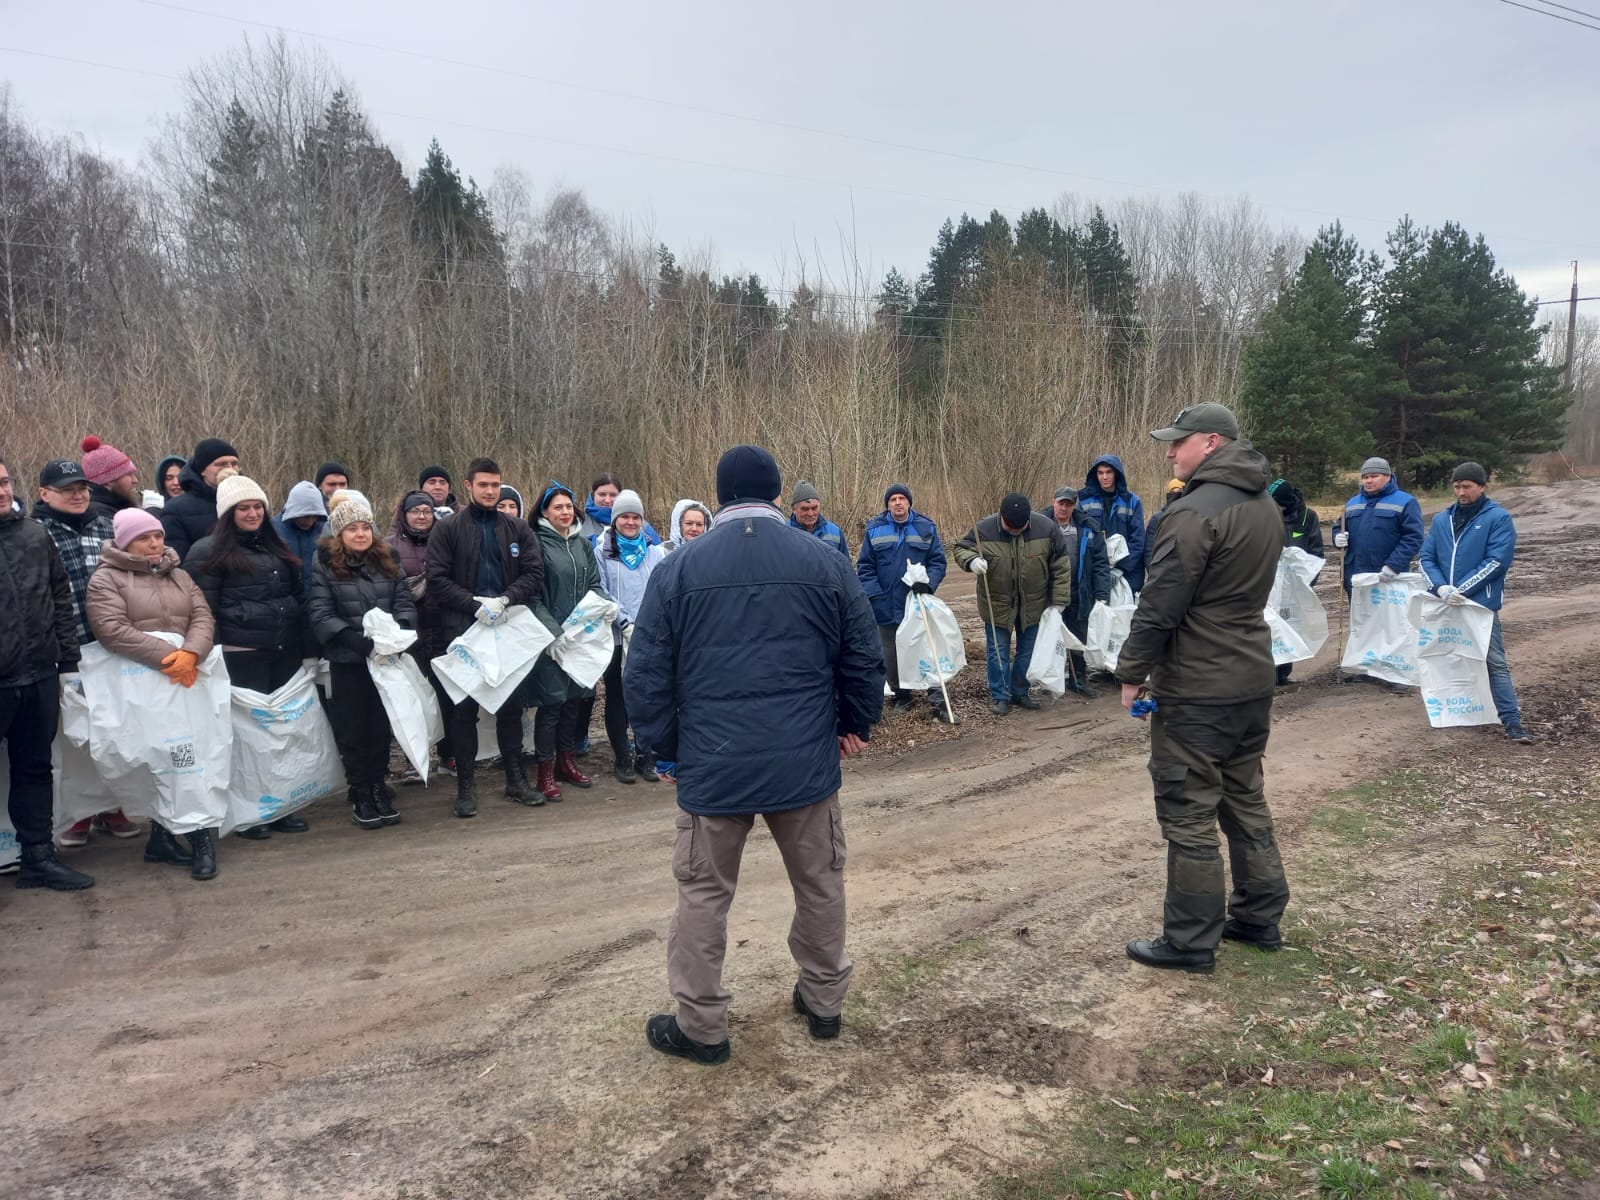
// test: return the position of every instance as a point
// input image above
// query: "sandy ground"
(455, 1008)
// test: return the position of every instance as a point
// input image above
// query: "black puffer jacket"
(188, 518)
(260, 610)
(338, 605)
(39, 637)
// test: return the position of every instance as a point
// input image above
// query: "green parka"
(570, 573)
(1028, 571)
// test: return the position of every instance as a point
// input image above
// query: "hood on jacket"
(121, 560)
(305, 500)
(681, 507)
(161, 468)
(192, 481)
(1091, 484)
(1237, 464)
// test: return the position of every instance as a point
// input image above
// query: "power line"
(1567, 300)
(1513, 4)
(1569, 8)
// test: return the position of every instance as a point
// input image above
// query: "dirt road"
(456, 1008)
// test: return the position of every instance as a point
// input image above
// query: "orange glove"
(181, 666)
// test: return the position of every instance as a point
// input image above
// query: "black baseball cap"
(62, 473)
(1209, 417)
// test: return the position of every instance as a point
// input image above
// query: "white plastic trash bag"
(1287, 644)
(1109, 625)
(80, 793)
(284, 754)
(1048, 666)
(1452, 660)
(923, 661)
(488, 662)
(1383, 643)
(585, 646)
(489, 734)
(166, 751)
(412, 705)
(1296, 604)
(1116, 549)
(385, 632)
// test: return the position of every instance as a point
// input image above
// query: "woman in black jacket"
(356, 571)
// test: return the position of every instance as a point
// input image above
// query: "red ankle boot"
(547, 781)
(567, 768)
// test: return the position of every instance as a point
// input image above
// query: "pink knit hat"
(130, 523)
(103, 463)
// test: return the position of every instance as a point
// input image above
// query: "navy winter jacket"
(888, 548)
(1385, 531)
(1476, 562)
(187, 518)
(1119, 511)
(754, 652)
(825, 531)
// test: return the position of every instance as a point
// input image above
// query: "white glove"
(309, 664)
(1451, 595)
(980, 566)
(1341, 539)
(491, 609)
(1387, 574)
(73, 680)
(915, 573)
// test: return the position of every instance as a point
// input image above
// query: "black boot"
(164, 848)
(645, 768)
(384, 796)
(364, 806)
(517, 786)
(1158, 952)
(623, 768)
(466, 792)
(205, 855)
(41, 868)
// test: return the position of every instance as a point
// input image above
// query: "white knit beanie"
(236, 489)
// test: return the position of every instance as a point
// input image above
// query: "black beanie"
(1015, 510)
(416, 500)
(1471, 472)
(899, 488)
(748, 473)
(434, 473)
(332, 468)
(208, 451)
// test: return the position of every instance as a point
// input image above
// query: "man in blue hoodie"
(1382, 526)
(1106, 500)
(1468, 552)
(894, 539)
(301, 524)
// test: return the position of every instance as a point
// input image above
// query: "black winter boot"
(41, 868)
(164, 848)
(517, 786)
(466, 792)
(644, 766)
(205, 855)
(364, 806)
(384, 796)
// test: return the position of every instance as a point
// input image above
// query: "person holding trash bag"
(894, 539)
(1200, 637)
(1106, 498)
(354, 573)
(1302, 528)
(1025, 566)
(480, 563)
(137, 591)
(570, 573)
(414, 522)
(755, 667)
(626, 559)
(38, 657)
(252, 583)
(1466, 557)
(1091, 579)
(1381, 529)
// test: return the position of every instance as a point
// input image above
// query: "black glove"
(355, 640)
(921, 589)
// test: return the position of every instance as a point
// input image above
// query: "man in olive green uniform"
(1201, 639)
(1025, 564)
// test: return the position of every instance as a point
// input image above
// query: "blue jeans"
(1008, 675)
(1505, 695)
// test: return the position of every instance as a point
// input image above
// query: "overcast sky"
(681, 117)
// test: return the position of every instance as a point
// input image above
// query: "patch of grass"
(893, 981)
(1415, 1050)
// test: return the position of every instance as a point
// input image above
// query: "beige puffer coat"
(128, 600)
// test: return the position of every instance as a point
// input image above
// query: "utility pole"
(1572, 320)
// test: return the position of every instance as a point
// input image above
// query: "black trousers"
(360, 724)
(29, 717)
(262, 670)
(463, 728)
(555, 729)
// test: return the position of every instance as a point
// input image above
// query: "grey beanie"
(1376, 466)
(627, 501)
(1470, 472)
(803, 491)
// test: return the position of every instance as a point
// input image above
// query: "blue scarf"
(631, 550)
(602, 515)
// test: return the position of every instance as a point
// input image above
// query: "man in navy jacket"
(755, 665)
(894, 539)
(1382, 527)
(1468, 552)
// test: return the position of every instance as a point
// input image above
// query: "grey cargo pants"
(1205, 760)
(705, 859)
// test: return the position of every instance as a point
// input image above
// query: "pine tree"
(1459, 370)
(1307, 380)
